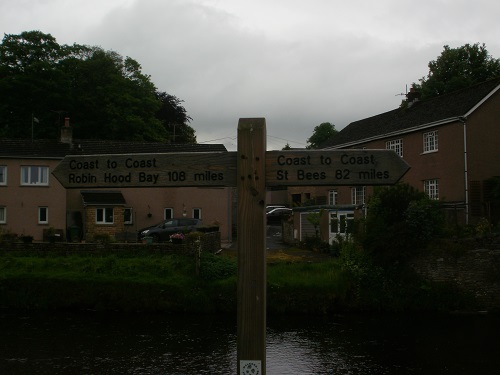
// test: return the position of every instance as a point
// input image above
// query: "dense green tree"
(321, 133)
(30, 80)
(105, 95)
(458, 68)
(400, 220)
(175, 119)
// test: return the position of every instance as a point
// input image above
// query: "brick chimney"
(66, 132)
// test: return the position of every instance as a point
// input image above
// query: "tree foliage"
(321, 134)
(106, 95)
(458, 68)
(400, 221)
(175, 119)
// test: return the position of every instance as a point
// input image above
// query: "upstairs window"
(431, 141)
(431, 187)
(3, 175)
(34, 175)
(104, 215)
(358, 195)
(332, 197)
(396, 145)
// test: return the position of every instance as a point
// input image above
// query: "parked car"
(273, 206)
(277, 214)
(162, 231)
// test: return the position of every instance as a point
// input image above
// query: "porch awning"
(102, 198)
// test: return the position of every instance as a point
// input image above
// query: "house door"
(341, 224)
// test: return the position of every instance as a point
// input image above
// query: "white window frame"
(341, 222)
(431, 188)
(196, 213)
(34, 175)
(431, 141)
(103, 213)
(332, 197)
(3, 215)
(170, 216)
(358, 194)
(43, 211)
(131, 216)
(396, 145)
(3, 175)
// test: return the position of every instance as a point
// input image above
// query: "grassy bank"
(172, 283)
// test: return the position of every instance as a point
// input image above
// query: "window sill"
(429, 152)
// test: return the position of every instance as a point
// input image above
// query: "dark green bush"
(400, 221)
(214, 267)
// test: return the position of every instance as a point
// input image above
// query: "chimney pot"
(67, 133)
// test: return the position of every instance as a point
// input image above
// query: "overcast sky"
(296, 63)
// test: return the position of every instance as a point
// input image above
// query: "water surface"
(119, 343)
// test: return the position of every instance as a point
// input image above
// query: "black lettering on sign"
(81, 178)
(310, 176)
(296, 160)
(140, 163)
(176, 176)
(73, 164)
(373, 174)
(357, 160)
(209, 176)
(342, 174)
(281, 175)
(148, 177)
(114, 178)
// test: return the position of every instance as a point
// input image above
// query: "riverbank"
(299, 282)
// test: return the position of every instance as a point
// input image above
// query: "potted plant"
(177, 238)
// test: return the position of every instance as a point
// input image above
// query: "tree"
(106, 96)
(458, 68)
(400, 220)
(321, 134)
(30, 79)
(175, 119)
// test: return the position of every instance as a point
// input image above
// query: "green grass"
(171, 269)
(170, 283)
(326, 274)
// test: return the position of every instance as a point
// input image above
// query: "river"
(34, 342)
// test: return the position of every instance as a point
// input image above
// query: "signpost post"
(251, 169)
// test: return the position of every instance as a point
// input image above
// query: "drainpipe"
(463, 120)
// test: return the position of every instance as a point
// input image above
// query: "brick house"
(451, 142)
(32, 200)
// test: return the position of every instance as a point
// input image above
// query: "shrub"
(213, 267)
(7, 236)
(400, 221)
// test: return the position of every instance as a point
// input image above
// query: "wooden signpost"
(251, 169)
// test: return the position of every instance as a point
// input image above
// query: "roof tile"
(439, 108)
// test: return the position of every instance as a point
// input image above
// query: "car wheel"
(155, 237)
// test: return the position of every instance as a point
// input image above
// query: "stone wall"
(473, 271)
(210, 242)
(92, 228)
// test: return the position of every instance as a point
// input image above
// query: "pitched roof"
(53, 149)
(427, 112)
